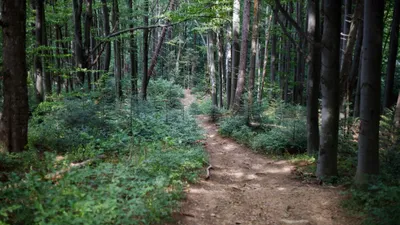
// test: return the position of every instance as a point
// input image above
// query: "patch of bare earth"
(249, 188)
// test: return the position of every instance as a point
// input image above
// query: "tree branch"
(289, 18)
(286, 32)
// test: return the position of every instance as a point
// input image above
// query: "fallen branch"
(208, 172)
(58, 174)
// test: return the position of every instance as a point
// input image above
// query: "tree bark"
(106, 22)
(238, 101)
(40, 25)
(299, 81)
(354, 84)
(327, 160)
(211, 67)
(235, 50)
(347, 20)
(80, 60)
(264, 69)
(254, 40)
(145, 80)
(117, 52)
(221, 71)
(132, 54)
(313, 77)
(228, 66)
(87, 40)
(14, 119)
(368, 140)
(273, 49)
(390, 97)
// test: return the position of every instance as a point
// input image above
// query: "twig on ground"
(208, 172)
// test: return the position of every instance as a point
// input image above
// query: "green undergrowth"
(141, 155)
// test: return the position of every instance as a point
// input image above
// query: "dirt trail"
(249, 188)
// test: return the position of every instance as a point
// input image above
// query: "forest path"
(249, 188)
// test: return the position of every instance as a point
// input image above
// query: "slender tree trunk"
(347, 57)
(347, 19)
(228, 65)
(254, 40)
(313, 77)
(39, 64)
(106, 22)
(238, 101)
(390, 97)
(273, 49)
(368, 140)
(117, 53)
(14, 119)
(220, 67)
(397, 113)
(298, 93)
(80, 60)
(327, 160)
(58, 59)
(145, 50)
(211, 67)
(264, 69)
(87, 40)
(354, 84)
(132, 54)
(235, 50)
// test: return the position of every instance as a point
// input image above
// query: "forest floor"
(250, 188)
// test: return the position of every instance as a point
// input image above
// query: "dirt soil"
(249, 188)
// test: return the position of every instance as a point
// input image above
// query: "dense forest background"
(96, 85)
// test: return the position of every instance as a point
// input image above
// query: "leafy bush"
(150, 152)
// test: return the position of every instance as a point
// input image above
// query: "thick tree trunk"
(368, 140)
(238, 101)
(254, 40)
(327, 160)
(390, 97)
(106, 22)
(145, 80)
(14, 119)
(211, 67)
(235, 49)
(313, 77)
(117, 52)
(80, 60)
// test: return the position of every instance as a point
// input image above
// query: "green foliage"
(148, 151)
(282, 129)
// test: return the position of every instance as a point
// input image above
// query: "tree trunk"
(14, 119)
(327, 160)
(347, 19)
(390, 97)
(132, 54)
(58, 59)
(145, 50)
(238, 101)
(228, 66)
(235, 50)
(273, 49)
(349, 48)
(80, 60)
(368, 140)
(40, 37)
(117, 52)
(354, 83)
(254, 40)
(211, 67)
(87, 40)
(313, 77)
(264, 69)
(106, 22)
(397, 113)
(299, 84)
(221, 67)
